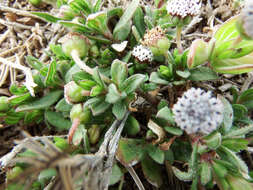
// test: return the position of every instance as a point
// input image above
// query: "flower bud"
(75, 41)
(4, 104)
(94, 133)
(94, 51)
(66, 12)
(74, 93)
(156, 40)
(78, 112)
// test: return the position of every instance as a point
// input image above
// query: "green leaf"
(61, 143)
(205, 173)
(156, 154)
(184, 74)
(124, 21)
(73, 70)
(63, 106)
(98, 22)
(203, 74)
(57, 120)
(130, 151)
(46, 17)
(132, 126)
(239, 132)
(98, 106)
(198, 53)
(235, 144)
(14, 100)
(118, 72)
(113, 94)
(233, 66)
(97, 6)
(76, 27)
(184, 176)
(81, 134)
(240, 111)
(246, 98)
(166, 114)
(235, 160)
(96, 90)
(96, 76)
(174, 131)
(41, 103)
(34, 62)
(152, 172)
(132, 83)
(227, 115)
(155, 78)
(138, 20)
(119, 109)
(219, 169)
(47, 174)
(116, 175)
(213, 141)
(33, 116)
(81, 6)
(57, 50)
(51, 77)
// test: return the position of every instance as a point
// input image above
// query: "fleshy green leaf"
(166, 114)
(63, 106)
(130, 151)
(119, 109)
(125, 20)
(113, 94)
(155, 78)
(138, 20)
(227, 115)
(43, 102)
(246, 98)
(203, 74)
(152, 172)
(116, 175)
(57, 120)
(76, 27)
(47, 17)
(132, 83)
(156, 154)
(174, 131)
(118, 72)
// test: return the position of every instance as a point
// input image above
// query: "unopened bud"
(78, 112)
(94, 133)
(74, 93)
(4, 104)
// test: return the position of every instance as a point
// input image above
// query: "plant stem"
(73, 128)
(86, 68)
(135, 177)
(178, 39)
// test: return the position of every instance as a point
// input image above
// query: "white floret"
(183, 8)
(142, 53)
(198, 112)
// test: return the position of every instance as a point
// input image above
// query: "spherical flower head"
(152, 36)
(183, 8)
(142, 53)
(198, 112)
(246, 21)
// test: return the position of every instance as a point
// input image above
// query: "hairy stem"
(73, 128)
(178, 39)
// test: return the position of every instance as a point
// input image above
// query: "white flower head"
(142, 53)
(198, 112)
(247, 18)
(183, 8)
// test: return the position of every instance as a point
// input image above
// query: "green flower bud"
(156, 40)
(75, 41)
(67, 12)
(15, 172)
(4, 104)
(78, 112)
(94, 133)
(74, 93)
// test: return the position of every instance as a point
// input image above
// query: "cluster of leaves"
(87, 101)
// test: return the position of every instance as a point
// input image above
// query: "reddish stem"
(73, 128)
